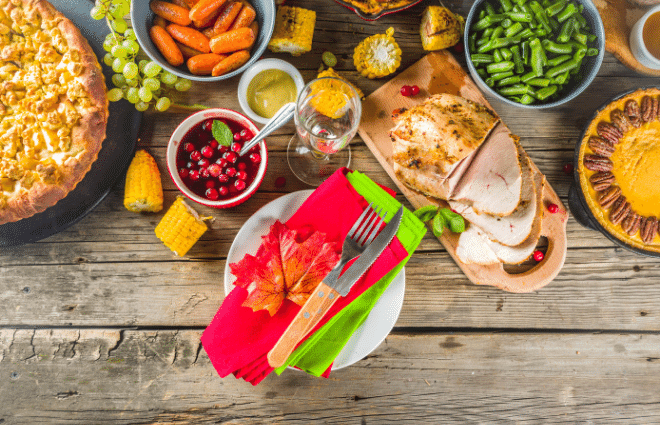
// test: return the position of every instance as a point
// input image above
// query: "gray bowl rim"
(255, 54)
(574, 93)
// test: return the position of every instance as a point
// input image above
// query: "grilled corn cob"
(440, 28)
(332, 73)
(378, 55)
(294, 30)
(181, 227)
(143, 190)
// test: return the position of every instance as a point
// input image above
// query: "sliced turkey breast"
(492, 184)
(515, 228)
(431, 140)
(473, 249)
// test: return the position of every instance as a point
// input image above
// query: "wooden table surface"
(101, 323)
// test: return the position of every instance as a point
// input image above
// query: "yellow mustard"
(269, 90)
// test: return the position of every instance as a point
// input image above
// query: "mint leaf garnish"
(222, 133)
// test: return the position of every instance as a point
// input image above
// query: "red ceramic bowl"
(192, 122)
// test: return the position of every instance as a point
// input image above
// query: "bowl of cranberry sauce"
(203, 158)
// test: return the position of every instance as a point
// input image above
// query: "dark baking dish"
(576, 198)
(373, 17)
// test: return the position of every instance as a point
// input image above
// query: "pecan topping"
(601, 146)
(647, 112)
(597, 163)
(654, 107)
(633, 113)
(648, 229)
(619, 120)
(609, 132)
(630, 224)
(602, 181)
(608, 198)
(620, 210)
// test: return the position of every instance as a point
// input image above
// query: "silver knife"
(324, 296)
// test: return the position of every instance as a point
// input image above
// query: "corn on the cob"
(181, 227)
(143, 190)
(294, 30)
(378, 55)
(440, 28)
(330, 96)
(332, 73)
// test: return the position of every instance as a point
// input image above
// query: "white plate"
(383, 316)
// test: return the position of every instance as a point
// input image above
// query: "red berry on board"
(538, 256)
(255, 157)
(568, 168)
(208, 125)
(189, 147)
(241, 166)
(242, 175)
(231, 157)
(215, 170)
(406, 91)
(223, 178)
(195, 156)
(204, 173)
(237, 137)
(414, 90)
(183, 173)
(194, 175)
(212, 194)
(207, 151)
(236, 147)
(213, 144)
(280, 182)
(553, 208)
(458, 47)
(239, 185)
(210, 184)
(223, 149)
(223, 190)
(231, 171)
(203, 162)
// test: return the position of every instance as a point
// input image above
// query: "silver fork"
(324, 296)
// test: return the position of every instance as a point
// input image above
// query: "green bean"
(566, 66)
(514, 90)
(580, 38)
(513, 29)
(546, 92)
(489, 9)
(478, 58)
(481, 42)
(482, 73)
(559, 59)
(506, 5)
(566, 31)
(493, 68)
(537, 57)
(560, 79)
(519, 16)
(568, 11)
(591, 38)
(526, 33)
(580, 53)
(516, 99)
(553, 24)
(530, 75)
(583, 22)
(488, 21)
(525, 52)
(517, 59)
(506, 23)
(497, 55)
(560, 49)
(497, 32)
(487, 33)
(482, 14)
(540, 32)
(508, 81)
(494, 44)
(473, 41)
(555, 8)
(506, 53)
(592, 51)
(501, 75)
(526, 99)
(541, 16)
(540, 82)
(489, 82)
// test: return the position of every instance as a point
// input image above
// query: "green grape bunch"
(144, 83)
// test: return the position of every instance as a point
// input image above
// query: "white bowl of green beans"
(534, 53)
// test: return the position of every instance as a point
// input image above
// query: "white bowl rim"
(177, 137)
(642, 45)
(257, 67)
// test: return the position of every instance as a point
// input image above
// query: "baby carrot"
(232, 40)
(227, 16)
(231, 63)
(188, 52)
(204, 8)
(182, 3)
(166, 45)
(160, 21)
(245, 18)
(171, 12)
(208, 21)
(190, 37)
(204, 64)
(209, 32)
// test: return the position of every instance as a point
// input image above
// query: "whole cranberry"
(231, 171)
(208, 125)
(280, 182)
(458, 47)
(231, 157)
(215, 170)
(223, 149)
(553, 208)
(210, 183)
(213, 144)
(406, 91)
(245, 134)
(568, 168)
(241, 166)
(239, 185)
(237, 137)
(212, 194)
(183, 172)
(538, 256)
(204, 173)
(414, 90)
(203, 162)
(223, 190)
(242, 175)
(207, 151)
(255, 157)
(188, 147)
(191, 165)
(223, 178)
(254, 148)
(221, 162)
(194, 175)
(195, 156)
(236, 147)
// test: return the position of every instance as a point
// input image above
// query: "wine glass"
(327, 116)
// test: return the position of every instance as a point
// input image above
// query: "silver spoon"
(280, 118)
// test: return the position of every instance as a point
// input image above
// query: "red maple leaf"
(284, 268)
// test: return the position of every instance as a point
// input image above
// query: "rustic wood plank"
(111, 376)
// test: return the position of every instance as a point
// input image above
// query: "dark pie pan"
(373, 17)
(577, 202)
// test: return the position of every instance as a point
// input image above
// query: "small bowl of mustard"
(266, 86)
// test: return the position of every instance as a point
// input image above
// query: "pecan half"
(654, 107)
(648, 229)
(608, 132)
(620, 210)
(597, 163)
(630, 224)
(601, 146)
(647, 112)
(633, 113)
(619, 120)
(608, 198)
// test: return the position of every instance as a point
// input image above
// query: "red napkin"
(238, 339)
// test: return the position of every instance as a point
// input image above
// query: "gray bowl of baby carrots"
(199, 38)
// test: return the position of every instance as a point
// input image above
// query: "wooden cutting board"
(439, 72)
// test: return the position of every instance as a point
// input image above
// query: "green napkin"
(318, 352)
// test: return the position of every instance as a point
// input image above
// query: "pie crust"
(373, 7)
(53, 107)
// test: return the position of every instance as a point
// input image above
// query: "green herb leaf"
(426, 213)
(222, 133)
(438, 226)
(457, 224)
